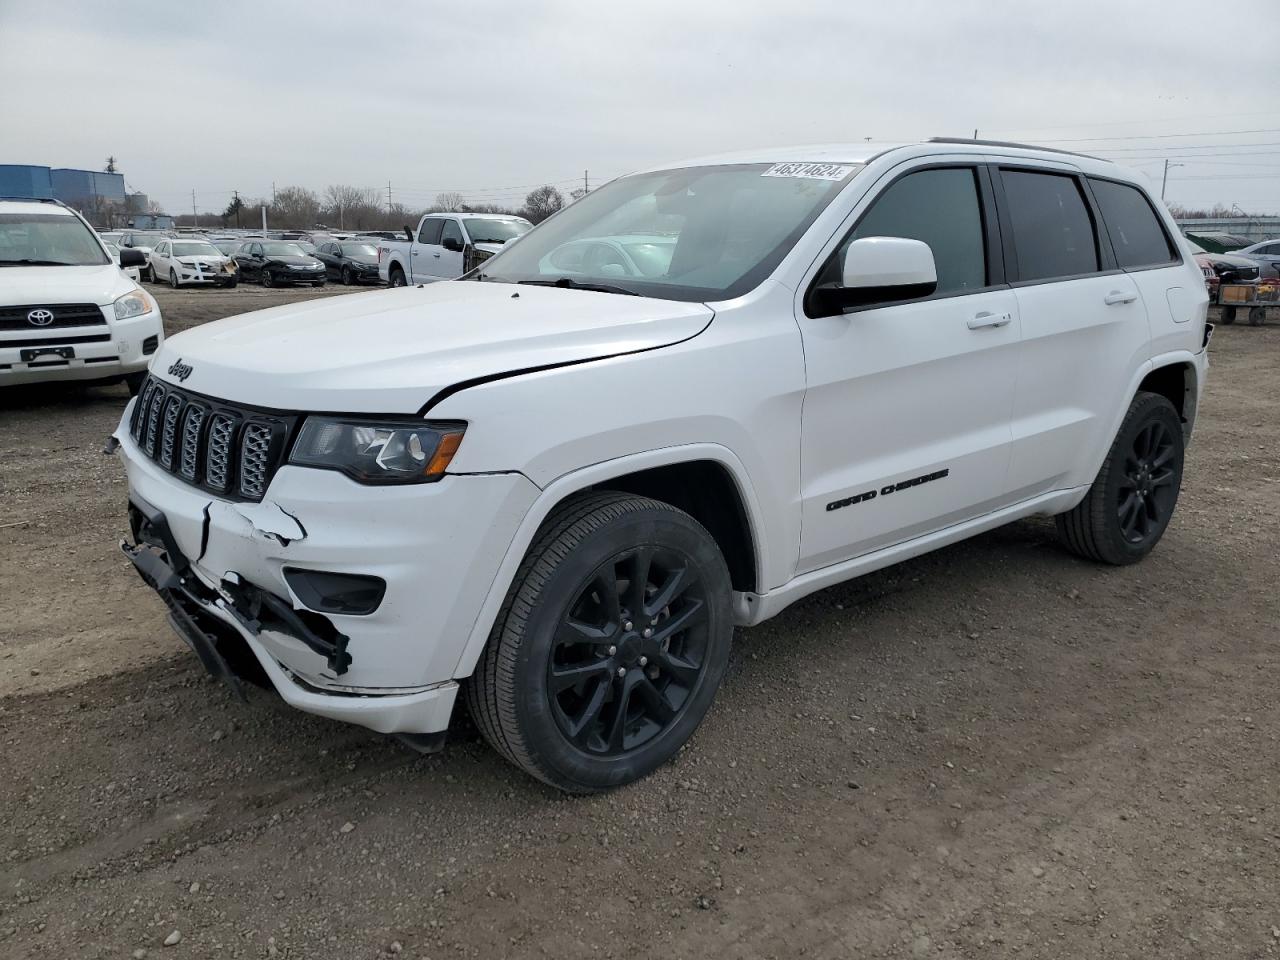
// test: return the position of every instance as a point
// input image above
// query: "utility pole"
(111, 165)
(236, 194)
(195, 216)
(975, 133)
(388, 196)
(1164, 181)
(586, 184)
(273, 193)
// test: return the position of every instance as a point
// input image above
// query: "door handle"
(416, 252)
(1120, 296)
(988, 319)
(436, 255)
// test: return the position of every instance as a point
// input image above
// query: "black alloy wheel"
(346, 276)
(610, 645)
(1147, 491)
(1131, 501)
(266, 277)
(629, 651)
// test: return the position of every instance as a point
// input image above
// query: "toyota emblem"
(40, 318)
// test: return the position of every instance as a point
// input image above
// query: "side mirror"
(408, 234)
(130, 257)
(452, 245)
(889, 268)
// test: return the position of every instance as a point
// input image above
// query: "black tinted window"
(1052, 229)
(940, 208)
(430, 232)
(451, 232)
(1136, 234)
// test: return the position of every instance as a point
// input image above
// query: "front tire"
(1257, 316)
(1128, 508)
(610, 646)
(265, 278)
(173, 279)
(1228, 316)
(346, 276)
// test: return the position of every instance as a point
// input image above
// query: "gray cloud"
(490, 98)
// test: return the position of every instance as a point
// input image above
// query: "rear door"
(426, 250)
(449, 264)
(906, 413)
(1084, 326)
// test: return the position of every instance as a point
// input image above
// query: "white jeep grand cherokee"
(67, 311)
(687, 400)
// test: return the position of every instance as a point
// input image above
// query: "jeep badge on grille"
(180, 370)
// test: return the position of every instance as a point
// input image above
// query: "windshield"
(359, 251)
(195, 250)
(228, 246)
(698, 233)
(496, 231)
(48, 239)
(278, 249)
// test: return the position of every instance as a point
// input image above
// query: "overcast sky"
(491, 98)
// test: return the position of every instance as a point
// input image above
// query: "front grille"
(64, 315)
(230, 450)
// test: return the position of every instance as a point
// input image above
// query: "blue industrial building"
(20, 180)
(99, 196)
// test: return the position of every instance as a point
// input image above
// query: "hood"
(290, 258)
(204, 258)
(97, 284)
(1229, 259)
(489, 247)
(393, 350)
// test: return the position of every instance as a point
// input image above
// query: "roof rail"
(1011, 143)
(36, 200)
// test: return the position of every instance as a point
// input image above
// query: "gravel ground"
(995, 750)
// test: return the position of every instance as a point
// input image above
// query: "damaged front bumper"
(227, 566)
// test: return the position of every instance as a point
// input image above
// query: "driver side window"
(451, 232)
(940, 207)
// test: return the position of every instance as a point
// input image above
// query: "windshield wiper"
(28, 262)
(568, 283)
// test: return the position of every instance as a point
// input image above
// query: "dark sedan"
(349, 261)
(275, 262)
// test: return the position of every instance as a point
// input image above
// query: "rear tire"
(610, 645)
(134, 382)
(1128, 508)
(397, 278)
(1228, 316)
(1257, 316)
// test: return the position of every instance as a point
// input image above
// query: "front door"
(426, 252)
(449, 264)
(906, 413)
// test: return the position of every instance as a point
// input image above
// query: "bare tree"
(295, 207)
(449, 202)
(542, 203)
(353, 207)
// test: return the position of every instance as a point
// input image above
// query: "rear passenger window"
(430, 232)
(1052, 229)
(938, 207)
(1136, 234)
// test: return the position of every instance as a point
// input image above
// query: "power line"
(1123, 123)
(1167, 136)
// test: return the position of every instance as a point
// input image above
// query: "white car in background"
(144, 242)
(132, 272)
(183, 261)
(67, 312)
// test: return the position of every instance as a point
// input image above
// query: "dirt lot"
(996, 750)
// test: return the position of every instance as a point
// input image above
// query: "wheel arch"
(724, 502)
(1177, 379)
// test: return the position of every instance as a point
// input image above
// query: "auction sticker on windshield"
(811, 171)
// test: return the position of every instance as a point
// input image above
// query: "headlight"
(133, 304)
(378, 451)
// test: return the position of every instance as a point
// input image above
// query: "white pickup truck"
(446, 245)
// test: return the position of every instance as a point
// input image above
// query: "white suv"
(558, 484)
(67, 311)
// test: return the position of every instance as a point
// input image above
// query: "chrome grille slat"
(207, 443)
(169, 430)
(217, 465)
(191, 425)
(153, 423)
(255, 448)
